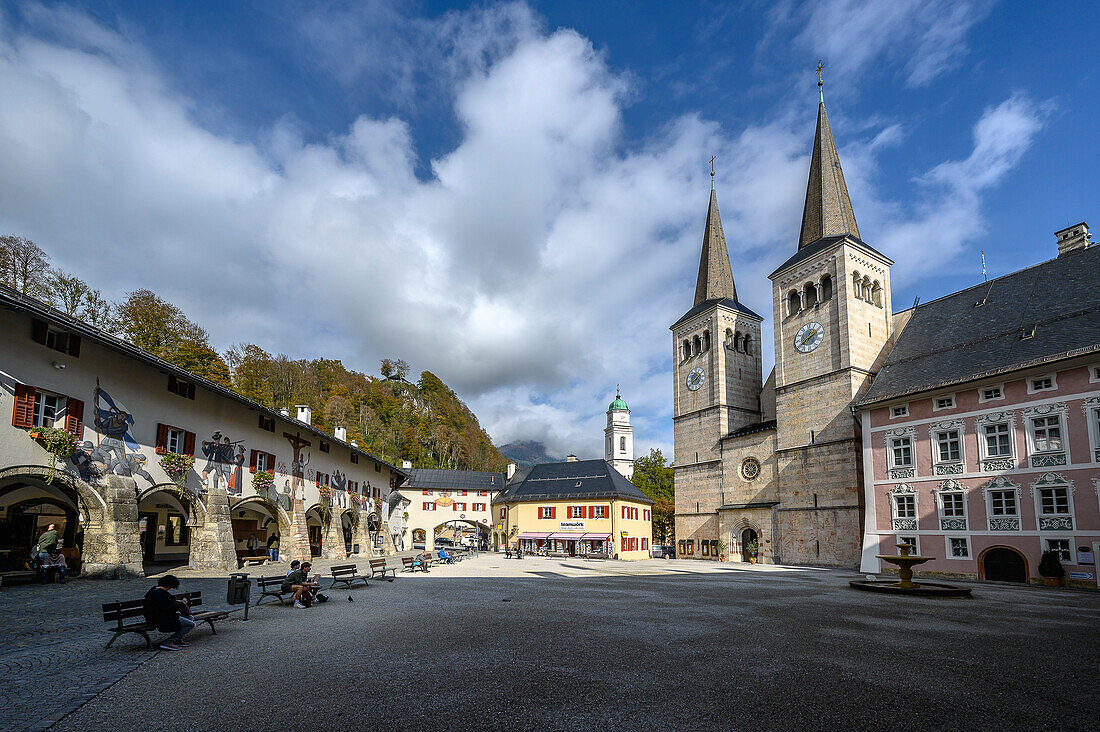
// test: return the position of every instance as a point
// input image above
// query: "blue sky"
(512, 195)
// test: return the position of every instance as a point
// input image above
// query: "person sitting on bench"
(298, 582)
(293, 567)
(167, 614)
(420, 561)
(54, 564)
(444, 556)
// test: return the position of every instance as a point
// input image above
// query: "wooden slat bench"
(378, 568)
(346, 574)
(407, 564)
(19, 576)
(120, 612)
(273, 587)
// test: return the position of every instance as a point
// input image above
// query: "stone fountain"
(905, 585)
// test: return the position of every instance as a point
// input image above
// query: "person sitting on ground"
(167, 614)
(54, 564)
(299, 583)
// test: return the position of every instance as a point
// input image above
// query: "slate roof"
(819, 246)
(752, 429)
(581, 480)
(462, 480)
(17, 301)
(828, 210)
(707, 304)
(979, 332)
(715, 275)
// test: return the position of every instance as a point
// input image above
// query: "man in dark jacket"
(168, 614)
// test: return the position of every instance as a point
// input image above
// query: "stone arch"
(988, 564)
(810, 294)
(876, 293)
(277, 512)
(857, 285)
(88, 498)
(794, 302)
(196, 508)
(865, 288)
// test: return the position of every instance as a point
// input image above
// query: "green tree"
(161, 328)
(653, 476)
(253, 372)
(72, 296)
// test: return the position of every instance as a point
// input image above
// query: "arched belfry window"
(826, 288)
(794, 302)
(729, 338)
(811, 295)
(876, 294)
(706, 340)
(687, 349)
(857, 286)
(737, 341)
(748, 343)
(696, 345)
(622, 444)
(866, 288)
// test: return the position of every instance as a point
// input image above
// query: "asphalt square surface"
(492, 643)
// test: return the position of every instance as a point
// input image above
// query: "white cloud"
(541, 262)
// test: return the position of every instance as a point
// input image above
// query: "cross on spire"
(820, 81)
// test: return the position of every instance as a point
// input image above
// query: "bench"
(595, 555)
(19, 576)
(272, 586)
(257, 559)
(378, 568)
(346, 574)
(120, 612)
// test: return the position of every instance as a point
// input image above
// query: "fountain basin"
(918, 589)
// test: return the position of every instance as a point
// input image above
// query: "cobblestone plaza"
(494, 643)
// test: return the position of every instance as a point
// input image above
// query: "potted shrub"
(1051, 569)
(61, 444)
(722, 546)
(754, 550)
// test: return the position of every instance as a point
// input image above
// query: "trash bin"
(239, 590)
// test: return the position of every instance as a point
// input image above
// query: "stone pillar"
(361, 535)
(294, 539)
(332, 547)
(212, 545)
(387, 540)
(112, 545)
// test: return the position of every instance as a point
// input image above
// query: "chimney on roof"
(510, 471)
(355, 444)
(1072, 238)
(305, 414)
(340, 433)
(406, 464)
(285, 412)
(570, 458)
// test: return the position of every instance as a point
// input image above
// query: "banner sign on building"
(571, 526)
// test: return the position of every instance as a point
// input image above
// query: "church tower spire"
(715, 275)
(828, 210)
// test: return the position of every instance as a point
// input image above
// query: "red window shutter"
(162, 439)
(74, 345)
(74, 418)
(607, 511)
(189, 444)
(23, 414)
(553, 511)
(252, 461)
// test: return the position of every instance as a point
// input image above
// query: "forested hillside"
(391, 417)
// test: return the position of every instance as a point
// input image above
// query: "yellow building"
(573, 508)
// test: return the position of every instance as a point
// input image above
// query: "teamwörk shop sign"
(571, 526)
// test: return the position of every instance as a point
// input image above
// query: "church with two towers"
(770, 470)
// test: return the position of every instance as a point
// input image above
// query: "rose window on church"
(750, 468)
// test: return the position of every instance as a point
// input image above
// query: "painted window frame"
(1071, 548)
(60, 409)
(915, 541)
(599, 512)
(1094, 373)
(1032, 433)
(957, 500)
(1054, 489)
(546, 512)
(936, 399)
(891, 455)
(983, 442)
(895, 505)
(937, 453)
(174, 439)
(1033, 389)
(949, 552)
(898, 411)
(1000, 396)
(1091, 409)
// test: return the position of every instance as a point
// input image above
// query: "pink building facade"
(981, 430)
(987, 476)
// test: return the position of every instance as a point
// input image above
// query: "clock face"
(809, 337)
(696, 378)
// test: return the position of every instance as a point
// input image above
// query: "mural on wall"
(297, 467)
(224, 462)
(116, 450)
(339, 484)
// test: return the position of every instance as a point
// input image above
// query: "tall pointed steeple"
(828, 210)
(715, 275)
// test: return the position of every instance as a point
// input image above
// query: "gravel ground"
(491, 643)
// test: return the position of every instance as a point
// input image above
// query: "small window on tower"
(622, 444)
(826, 288)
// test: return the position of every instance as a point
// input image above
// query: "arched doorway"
(418, 537)
(164, 527)
(29, 505)
(253, 517)
(1001, 564)
(749, 548)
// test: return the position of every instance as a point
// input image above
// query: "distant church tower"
(619, 437)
